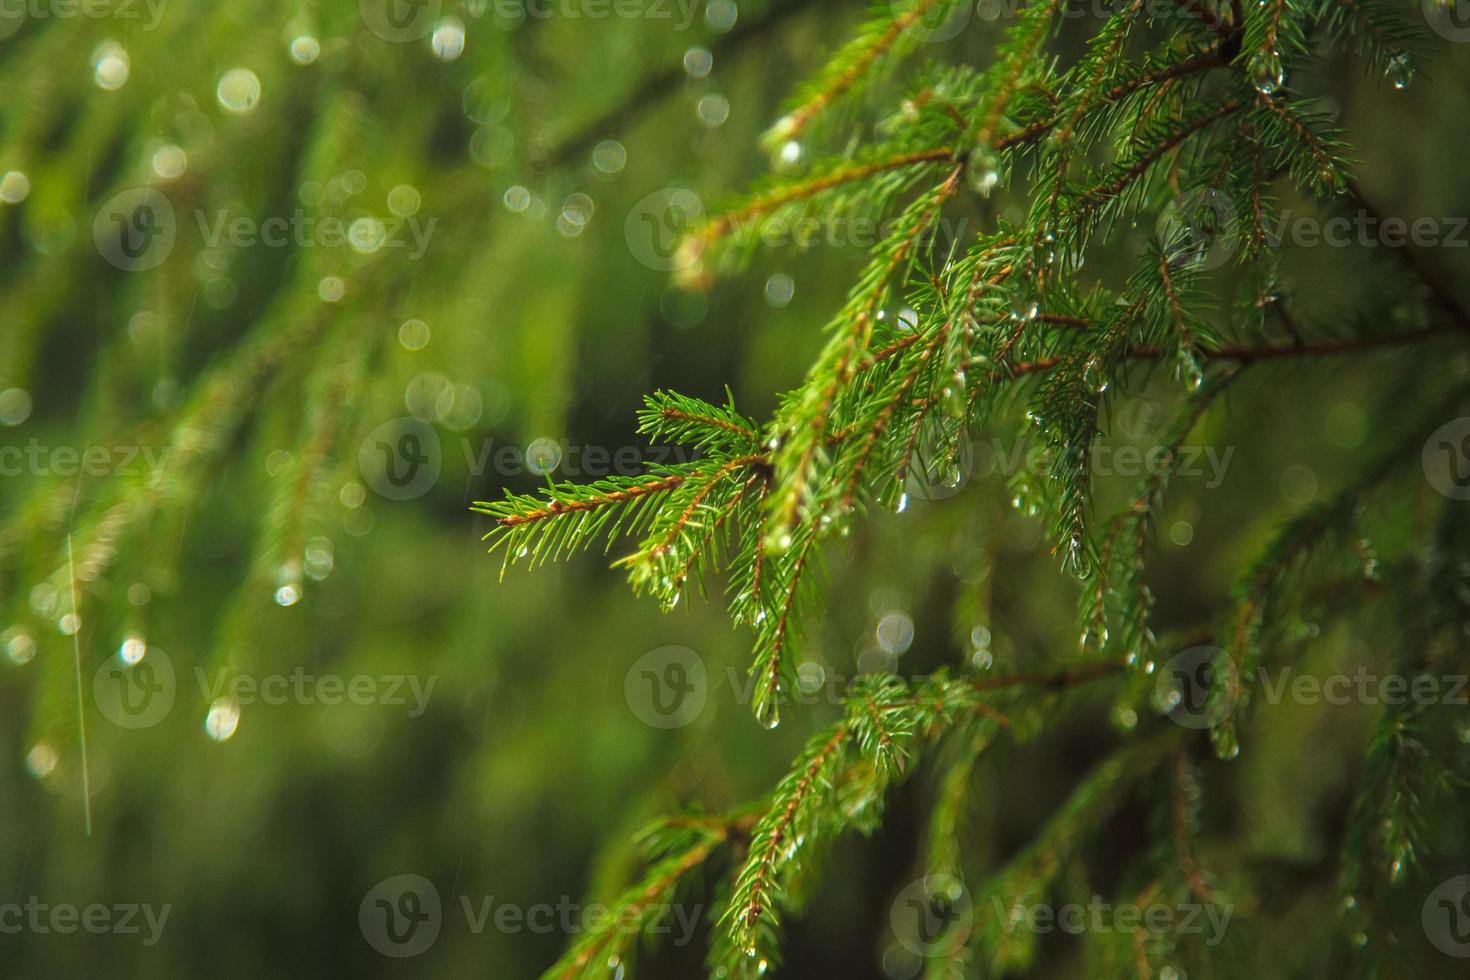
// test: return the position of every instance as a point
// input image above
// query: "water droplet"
(721, 15)
(331, 288)
(133, 649)
(983, 173)
(768, 712)
(1023, 304)
(305, 49)
(1266, 72)
(1400, 71)
(1224, 740)
(20, 646)
(698, 61)
(447, 41)
(222, 719)
(404, 200)
(14, 187)
(15, 406)
(1187, 369)
(777, 542)
(713, 110)
(517, 198)
(238, 90)
(789, 157)
(110, 66)
(901, 504)
(41, 760)
(169, 161)
(1093, 375)
(413, 334)
(609, 157)
(779, 289)
(895, 632)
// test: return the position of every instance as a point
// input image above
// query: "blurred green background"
(260, 376)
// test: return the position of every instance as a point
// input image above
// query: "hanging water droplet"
(777, 542)
(983, 173)
(901, 504)
(1266, 72)
(1023, 305)
(1400, 71)
(288, 584)
(1093, 375)
(1224, 740)
(1187, 369)
(768, 712)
